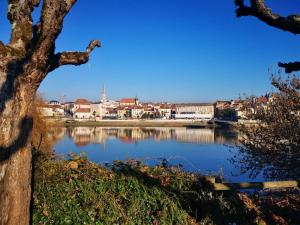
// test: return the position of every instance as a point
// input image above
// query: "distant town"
(131, 108)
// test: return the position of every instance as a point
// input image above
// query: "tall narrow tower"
(103, 95)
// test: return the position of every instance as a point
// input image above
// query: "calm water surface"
(207, 151)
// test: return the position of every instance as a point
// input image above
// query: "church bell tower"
(103, 95)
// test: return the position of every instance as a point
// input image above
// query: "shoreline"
(143, 123)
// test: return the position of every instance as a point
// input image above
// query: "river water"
(207, 151)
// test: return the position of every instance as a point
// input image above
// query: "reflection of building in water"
(56, 133)
(99, 135)
(205, 136)
(138, 134)
(229, 137)
(81, 135)
(162, 133)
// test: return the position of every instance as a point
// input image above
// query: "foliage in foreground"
(273, 145)
(81, 192)
(78, 191)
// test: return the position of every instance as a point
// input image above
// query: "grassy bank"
(78, 191)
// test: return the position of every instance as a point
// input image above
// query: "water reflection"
(83, 136)
(198, 150)
(272, 165)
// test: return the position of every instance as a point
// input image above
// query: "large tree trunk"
(24, 63)
(15, 190)
(15, 150)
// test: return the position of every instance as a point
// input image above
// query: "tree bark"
(15, 165)
(15, 189)
(24, 62)
(16, 96)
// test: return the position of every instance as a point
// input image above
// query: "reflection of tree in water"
(276, 165)
(226, 136)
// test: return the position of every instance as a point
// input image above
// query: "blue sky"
(163, 50)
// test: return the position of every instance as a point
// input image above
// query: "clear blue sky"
(177, 51)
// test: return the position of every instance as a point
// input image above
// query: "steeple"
(103, 95)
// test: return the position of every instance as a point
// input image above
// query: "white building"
(98, 110)
(81, 104)
(137, 112)
(201, 111)
(83, 113)
(51, 109)
(82, 109)
(123, 113)
(111, 113)
(46, 111)
(165, 111)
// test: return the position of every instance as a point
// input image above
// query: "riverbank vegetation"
(275, 141)
(77, 191)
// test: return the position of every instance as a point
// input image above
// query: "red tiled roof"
(127, 100)
(82, 101)
(165, 106)
(262, 99)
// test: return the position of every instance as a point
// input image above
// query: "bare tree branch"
(259, 9)
(290, 67)
(52, 16)
(48, 29)
(73, 58)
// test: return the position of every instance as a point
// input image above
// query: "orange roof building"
(82, 101)
(128, 101)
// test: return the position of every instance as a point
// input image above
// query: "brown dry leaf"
(45, 213)
(72, 165)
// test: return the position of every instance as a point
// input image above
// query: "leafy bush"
(80, 192)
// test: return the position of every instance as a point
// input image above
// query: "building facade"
(202, 111)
